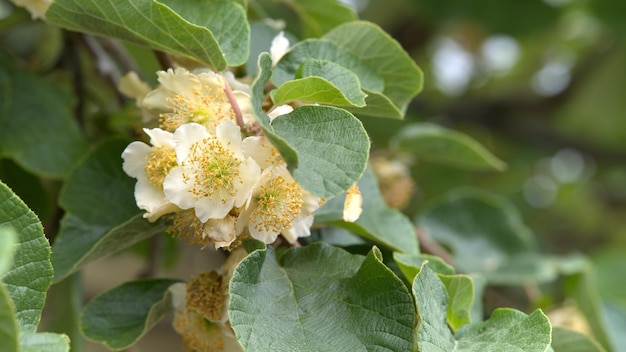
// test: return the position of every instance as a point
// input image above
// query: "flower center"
(203, 107)
(205, 295)
(278, 204)
(160, 161)
(216, 170)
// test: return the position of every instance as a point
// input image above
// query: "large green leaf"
(487, 236)
(121, 316)
(80, 243)
(460, 289)
(30, 273)
(378, 222)
(566, 340)
(506, 330)
(213, 32)
(323, 82)
(434, 143)
(326, 148)
(320, 298)
(102, 217)
(320, 16)
(44, 342)
(410, 264)
(36, 125)
(386, 73)
(8, 323)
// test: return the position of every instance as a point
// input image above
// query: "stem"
(165, 61)
(432, 247)
(233, 102)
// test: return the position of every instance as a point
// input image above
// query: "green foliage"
(387, 75)
(323, 162)
(433, 143)
(30, 273)
(566, 340)
(320, 16)
(552, 112)
(490, 238)
(506, 329)
(378, 222)
(215, 33)
(124, 314)
(310, 298)
(37, 131)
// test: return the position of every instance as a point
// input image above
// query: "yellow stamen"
(160, 161)
(278, 204)
(203, 107)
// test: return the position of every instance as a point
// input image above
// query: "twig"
(233, 102)
(153, 258)
(165, 61)
(104, 64)
(429, 246)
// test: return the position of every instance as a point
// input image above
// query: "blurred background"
(540, 83)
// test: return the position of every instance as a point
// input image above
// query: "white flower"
(150, 165)
(278, 205)
(37, 8)
(279, 47)
(212, 175)
(185, 97)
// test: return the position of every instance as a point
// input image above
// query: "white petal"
(176, 190)
(179, 295)
(249, 172)
(185, 136)
(132, 86)
(221, 231)
(207, 208)
(160, 138)
(179, 81)
(279, 111)
(279, 47)
(230, 135)
(299, 228)
(265, 236)
(352, 206)
(135, 158)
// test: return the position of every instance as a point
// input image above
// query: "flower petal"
(135, 157)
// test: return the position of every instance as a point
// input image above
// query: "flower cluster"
(214, 185)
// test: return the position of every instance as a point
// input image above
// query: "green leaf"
(9, 330)
(487, 236)
(506, 330)
(30, 274)
(213, 32)
(386, 73)
(8, 323)
(44, 342)
(460, 289)
(320, 298)
(583, 289)
(320, 16)
(378, 222)
(323, 82)
(102, 217)
(410, 264)
(566, 340)
(616, 324)
(121, 316)
(37, 129)
(437, 144)
(322, 160)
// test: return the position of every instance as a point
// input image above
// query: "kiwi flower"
(212, 174)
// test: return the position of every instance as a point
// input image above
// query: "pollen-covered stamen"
(205, 295)
(186, 226)
(278, 204)
(217, 170)
(203, 107)
(160, 161)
